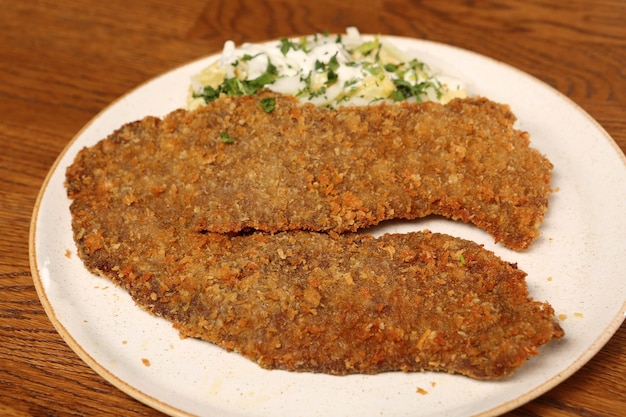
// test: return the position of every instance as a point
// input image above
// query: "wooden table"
(62, 62)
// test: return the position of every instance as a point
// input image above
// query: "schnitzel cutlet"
(233, 166)
(306, 301)
(237, 225)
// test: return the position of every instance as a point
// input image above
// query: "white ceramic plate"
(577, 265)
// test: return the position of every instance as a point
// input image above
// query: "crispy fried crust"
(305, 301)
(147, 199)
(306, 168)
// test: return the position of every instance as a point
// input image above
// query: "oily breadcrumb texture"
(167, 210)
(306, 301)
(231, 167)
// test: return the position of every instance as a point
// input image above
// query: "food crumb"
(578, 315)
(422, 391)
(124, 342)
(68, 253)
(549, 278)
(432, 384)
(145, 361)
(562, 317)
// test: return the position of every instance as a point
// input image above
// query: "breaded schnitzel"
(236, 166)
(305, 301)
(236, 224)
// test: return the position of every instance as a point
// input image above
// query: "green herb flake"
(248, 57)
(462, 259)
(333, 66)
(391, 67)
(405, 90)
(319, 92)
(351, 82)
(235, 87)
(416, 64)
(307, 85)
(268, 77)
(208, 94)
(268, 104)
(286, 45)
(226, 139)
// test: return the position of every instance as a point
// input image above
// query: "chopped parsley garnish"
(330, 68)
(286, 45)
(308, 88)
(333, 72)
(391, 67)
(351, 82)
(209, 94)
(225, 138)
(268, 104)
(236, 87)
(319, 92)
(415, 64)
(405, 90)
(247, 57)
(333, 66)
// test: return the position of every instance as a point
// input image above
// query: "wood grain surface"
(63, 61)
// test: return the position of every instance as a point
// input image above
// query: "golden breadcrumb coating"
(306, 301)
(237, 225)
(231, 167)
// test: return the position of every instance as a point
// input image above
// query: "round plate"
(576, 264)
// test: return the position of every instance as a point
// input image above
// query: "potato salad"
(324, 69)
